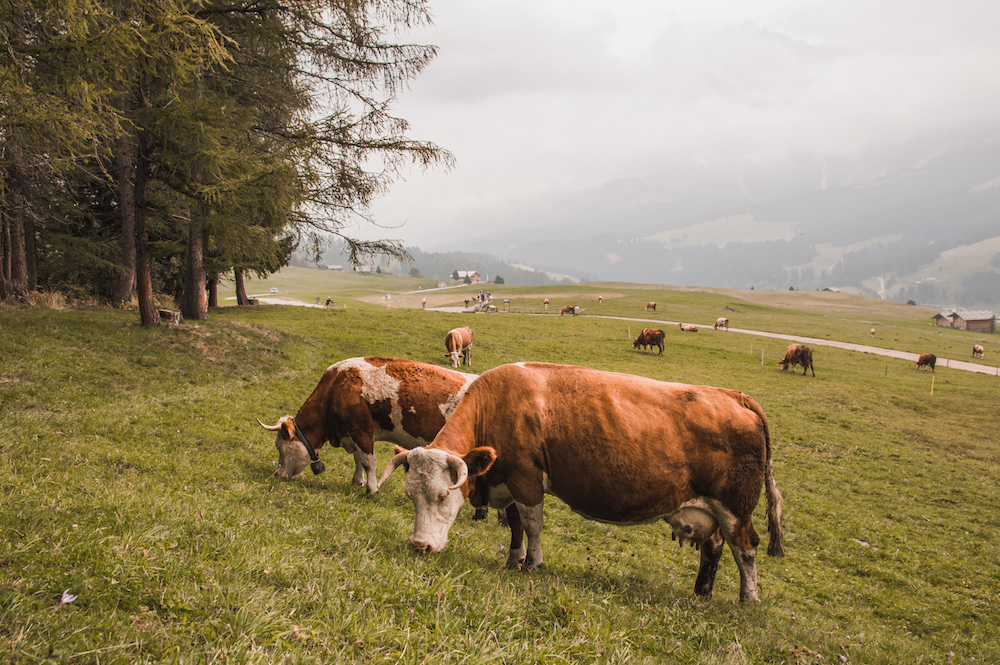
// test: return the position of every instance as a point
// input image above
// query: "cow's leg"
(531, 517)
(743, 539)
(364, 470)
(515, 555)
(711, 552)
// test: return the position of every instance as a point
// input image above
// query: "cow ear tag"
(318, 467)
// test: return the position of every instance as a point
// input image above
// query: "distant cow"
(978, 351)
(798, 354)
(687, 327)
(458, 346)
(926, 360)
(652, 337)
(871, 333)
(697, 458)
(651, 306)
(721, 322)
(362, 400)
(546, 302)
(568, 309)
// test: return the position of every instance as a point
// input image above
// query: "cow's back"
(615, 447)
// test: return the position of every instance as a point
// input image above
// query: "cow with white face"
(362, 400)
(458, 346)
(615, 448)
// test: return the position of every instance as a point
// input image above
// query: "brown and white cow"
(362, 400)
(926, 360)
(798, 354)
(978, 351)
(721, 322)
(652, 337)
(687, 327)
(568, 309)
(615, 448)
(871, 333)
(458, 346)
(650, 306)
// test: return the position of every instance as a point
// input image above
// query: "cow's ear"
(479, 460)
(287, 428)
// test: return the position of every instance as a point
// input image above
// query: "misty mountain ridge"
(895, 231)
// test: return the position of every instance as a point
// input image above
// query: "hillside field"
(135, 478)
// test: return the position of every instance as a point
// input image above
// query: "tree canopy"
(152, 147)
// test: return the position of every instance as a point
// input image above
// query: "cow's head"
(437, 483)
(456, 357)
(293, 456)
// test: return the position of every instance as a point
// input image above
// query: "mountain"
(924, 225)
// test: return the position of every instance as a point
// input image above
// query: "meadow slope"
(136, 479)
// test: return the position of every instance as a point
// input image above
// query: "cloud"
(547, 97)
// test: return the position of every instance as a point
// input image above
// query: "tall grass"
(135, 478)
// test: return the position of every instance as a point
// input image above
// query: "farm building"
(474, 277)
(974, 320)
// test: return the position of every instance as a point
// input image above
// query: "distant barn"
(983, 321)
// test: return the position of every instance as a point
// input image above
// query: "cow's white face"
(428, 484)
(292, 456)
(456, 357)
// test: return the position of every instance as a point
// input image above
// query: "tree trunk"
(143, 277)
(213, 291)
(194, 301)
(241, 289)
(18, 256)
(30, 256)
(125, 172)
(5, 291)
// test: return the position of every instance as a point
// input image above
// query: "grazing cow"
(798, 354)
(721, 322)
(546, 302)
(568, 309)
(362, 400)
(871, 333)
(651, 306)
(652, 337)
(600, 299)
(926, 360)
(615, 448)
(978, 351)
(687, 327)
(458, 346)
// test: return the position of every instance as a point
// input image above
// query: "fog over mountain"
(774, 144)
(821, 224)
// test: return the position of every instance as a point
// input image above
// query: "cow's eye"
(442, 495)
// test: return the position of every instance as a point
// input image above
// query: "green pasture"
(135, 477)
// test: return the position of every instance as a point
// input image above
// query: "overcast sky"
(536, 97)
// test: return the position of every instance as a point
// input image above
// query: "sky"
(539, 98)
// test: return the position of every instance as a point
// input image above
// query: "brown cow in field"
(926, 360)
(568, 309)
(650, 306)
(652, 337)
(687, 327)
(615, 448)
(721, 322)
(359, 401)
(458, 346)
(978, 351)
(798, 354)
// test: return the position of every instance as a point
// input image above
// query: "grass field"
(135, 478)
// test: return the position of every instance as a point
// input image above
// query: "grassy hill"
(136, 479)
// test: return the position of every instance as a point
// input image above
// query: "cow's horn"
(272, 428)
(396, 461)
(456, 464)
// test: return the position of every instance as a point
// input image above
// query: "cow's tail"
(775, 504)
